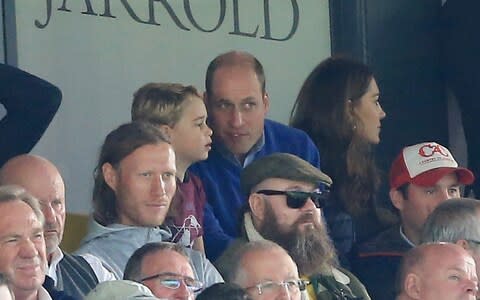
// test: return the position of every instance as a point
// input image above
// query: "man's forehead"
(449, 180)
(21, 217)
(261, 261)
(162, 150)
(237, 75)
(167, 260)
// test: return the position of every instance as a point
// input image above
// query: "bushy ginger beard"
(309, 246)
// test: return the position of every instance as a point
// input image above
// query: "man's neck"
(25, 295)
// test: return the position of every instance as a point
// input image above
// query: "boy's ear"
(166, 130)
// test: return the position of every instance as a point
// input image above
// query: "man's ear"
(257, 206)
(413, 286)
(397, 199)
(110, 175)
(266, 102)
(463, 244)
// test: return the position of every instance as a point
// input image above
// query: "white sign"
(98, 52)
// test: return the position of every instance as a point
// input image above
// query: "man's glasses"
(173, 281)
(292, 286)
(297, 199)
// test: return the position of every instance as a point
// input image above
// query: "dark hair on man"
(118, 144)
(161, 103)
(323, 110)
(223, 291)
(133, 269)
(234, 58)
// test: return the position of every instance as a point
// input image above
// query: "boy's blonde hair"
(161, 103)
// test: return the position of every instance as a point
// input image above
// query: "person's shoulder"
(287, 137)
(194, 179)
(279, 128)
(224, 262)
(386, 243)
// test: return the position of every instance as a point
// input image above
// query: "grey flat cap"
(281, 165)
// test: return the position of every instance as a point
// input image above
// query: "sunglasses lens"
(297, 199)
(319, 200)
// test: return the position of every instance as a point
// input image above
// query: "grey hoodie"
(115, 243)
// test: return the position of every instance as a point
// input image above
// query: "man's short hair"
(118, 144)
(133, 269)
(234, 58)
(453, 220)
(10, 193)
(161, 103)
(412, 259)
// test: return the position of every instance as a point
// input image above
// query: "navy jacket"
(377, 262)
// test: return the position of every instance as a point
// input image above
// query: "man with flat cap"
(285, 197)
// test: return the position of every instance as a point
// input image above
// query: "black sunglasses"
(297, 199)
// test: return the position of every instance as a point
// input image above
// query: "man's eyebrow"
(223, 100)
(11, 235)
(248, 99)
(37, 230)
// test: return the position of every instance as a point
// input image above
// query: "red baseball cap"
(424, 164)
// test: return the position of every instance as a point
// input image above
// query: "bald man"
(437, 272)
(76, 275)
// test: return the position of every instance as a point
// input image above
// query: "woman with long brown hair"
(338, 107)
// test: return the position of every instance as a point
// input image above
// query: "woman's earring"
(354, 127)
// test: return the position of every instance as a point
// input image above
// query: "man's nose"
(236, 118)
(158, 185)
(284, 293)
(48, 213)
(309, 205)
(471, 287)
(184, 292)
(28, 249)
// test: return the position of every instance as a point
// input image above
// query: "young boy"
(180, 113)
